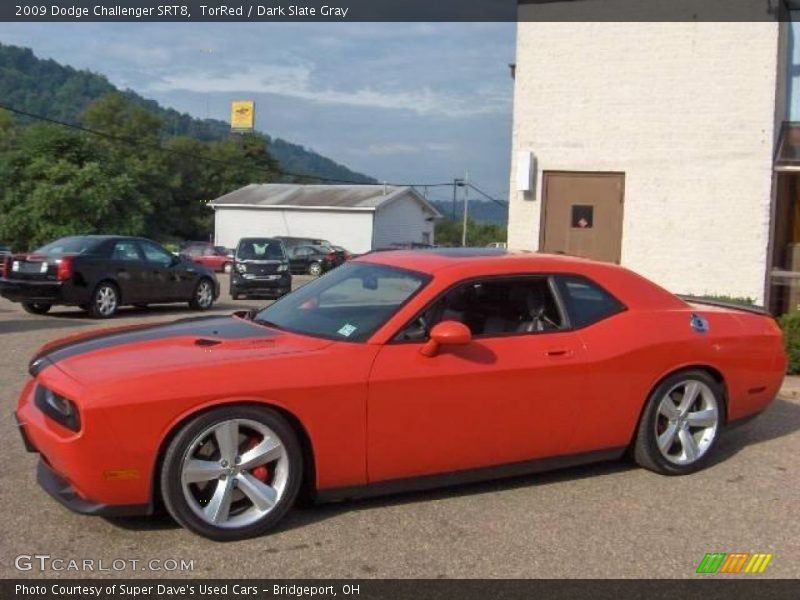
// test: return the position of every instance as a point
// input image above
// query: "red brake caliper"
(260, 472)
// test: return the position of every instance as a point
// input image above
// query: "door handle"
(559, 353)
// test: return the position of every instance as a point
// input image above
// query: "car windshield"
(349, 303)
(68, 245)
(260, 249)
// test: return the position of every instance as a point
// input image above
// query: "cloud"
(296, 81)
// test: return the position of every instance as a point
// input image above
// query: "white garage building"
(357, 217)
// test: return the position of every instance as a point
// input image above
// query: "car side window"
(492, 308)
(585, 301)
(125, 250)
(156, 254)
(300, 252)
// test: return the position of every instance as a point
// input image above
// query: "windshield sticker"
(347, 330)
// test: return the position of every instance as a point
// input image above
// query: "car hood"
(143, 350)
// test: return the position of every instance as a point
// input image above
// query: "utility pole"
(466, 210)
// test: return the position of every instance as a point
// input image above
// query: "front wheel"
(681, 424)
(36, 308)
(203, 295)
(232, 473)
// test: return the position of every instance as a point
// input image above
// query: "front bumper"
(81, 470)
(15, 290)
(282, 284)
(55, 485)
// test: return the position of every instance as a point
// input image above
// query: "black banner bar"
(711, 588)
(394, 10)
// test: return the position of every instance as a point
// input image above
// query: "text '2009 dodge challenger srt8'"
(397, 370)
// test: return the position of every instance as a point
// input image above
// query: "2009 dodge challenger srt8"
(397, 370)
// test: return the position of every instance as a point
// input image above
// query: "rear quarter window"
(585, 301)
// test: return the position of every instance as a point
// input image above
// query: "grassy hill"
(60, 92)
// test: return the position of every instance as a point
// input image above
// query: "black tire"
(171, 472)
(654, 422)
(98, 309)
(36, 308)
(199, 300)
(315, 269)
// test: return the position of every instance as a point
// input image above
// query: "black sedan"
(100, 273)
(314, 260)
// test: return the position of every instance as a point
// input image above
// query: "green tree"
(449, 232)
(57, 182)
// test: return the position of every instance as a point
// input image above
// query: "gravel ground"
(607, 520)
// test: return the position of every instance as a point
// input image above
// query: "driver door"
(506, 397)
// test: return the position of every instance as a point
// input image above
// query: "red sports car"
(397, 370)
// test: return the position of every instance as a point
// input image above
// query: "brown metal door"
(582, 214)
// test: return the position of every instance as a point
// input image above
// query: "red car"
(213, 257)
(396, 370)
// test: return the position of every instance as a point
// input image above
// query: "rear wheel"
(232, 473)
(36, 308)
(681, 424)
(105, 301)
(203, 297)
(315, 269)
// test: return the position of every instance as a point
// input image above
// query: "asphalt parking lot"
(608, 520)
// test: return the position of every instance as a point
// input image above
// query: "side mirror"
(446, 333)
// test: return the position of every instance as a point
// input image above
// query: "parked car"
(502, 245)
(395, 371)
(260, 268)
(342, 255)
(100, 273)
(314, 260)
(291, 242)
(214, 257)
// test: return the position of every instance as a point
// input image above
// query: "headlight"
(58, 408)
(282, 268)
(241, 268)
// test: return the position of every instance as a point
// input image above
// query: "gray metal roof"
(293, 195)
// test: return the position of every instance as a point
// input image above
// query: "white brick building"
(357, 217)
(652, 144)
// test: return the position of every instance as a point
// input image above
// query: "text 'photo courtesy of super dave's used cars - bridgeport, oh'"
(379, 373)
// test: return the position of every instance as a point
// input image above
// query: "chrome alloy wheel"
(205, 295)
(106, 300)
(234, 473)
(687, 422)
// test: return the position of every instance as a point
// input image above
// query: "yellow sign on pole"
(243, 115)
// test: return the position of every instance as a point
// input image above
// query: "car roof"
(432, 260)
(455, 264)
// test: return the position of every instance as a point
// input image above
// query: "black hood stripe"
(226, 328)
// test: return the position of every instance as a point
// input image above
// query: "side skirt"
(444, 480)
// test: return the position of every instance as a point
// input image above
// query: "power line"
(159, 147)
(480, 191)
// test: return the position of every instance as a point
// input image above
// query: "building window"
(582, 216)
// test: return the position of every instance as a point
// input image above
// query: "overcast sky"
(411, 102)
